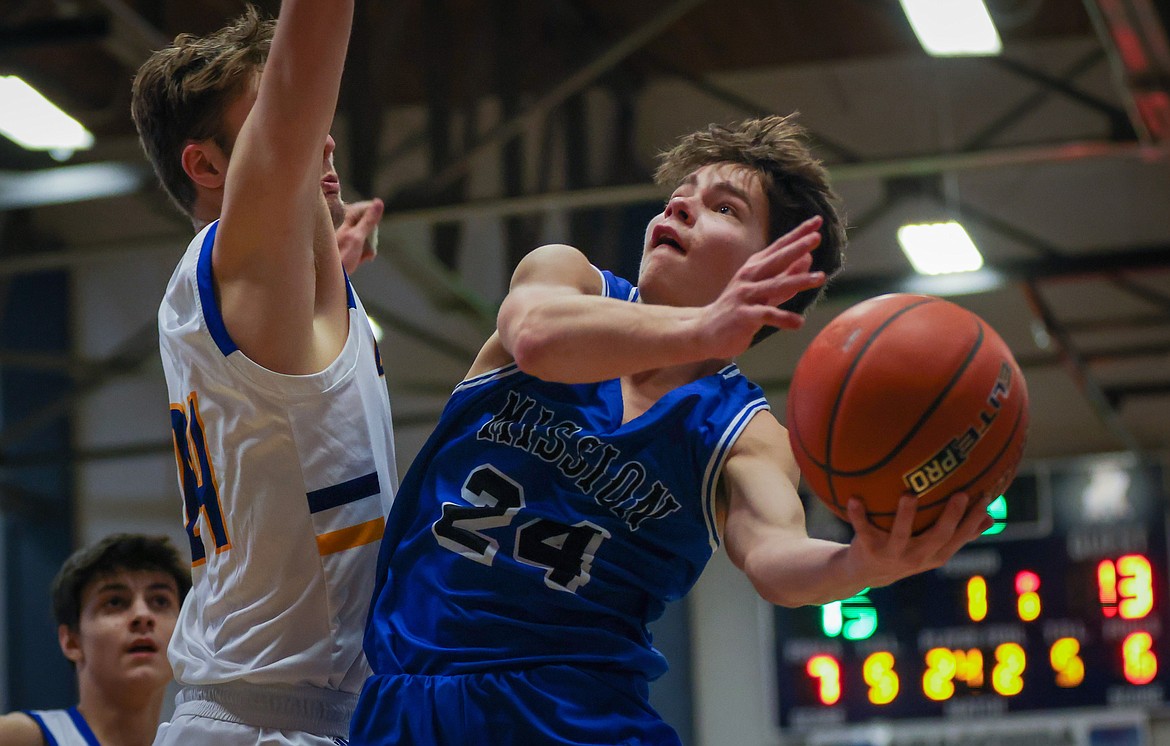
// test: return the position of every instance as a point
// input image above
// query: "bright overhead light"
(376, 328)
(35, 123)
(939, 248)
(948, 28)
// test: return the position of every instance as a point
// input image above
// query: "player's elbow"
(526, 339)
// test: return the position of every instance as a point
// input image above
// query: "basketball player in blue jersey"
(603, 445)
(279, 409)
(116, 602)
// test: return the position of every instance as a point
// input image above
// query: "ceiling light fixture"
(939, 248)
(35, 123)
(950, 28)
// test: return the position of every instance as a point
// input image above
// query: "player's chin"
(336, 209)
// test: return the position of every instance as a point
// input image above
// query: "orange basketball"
(906, 393)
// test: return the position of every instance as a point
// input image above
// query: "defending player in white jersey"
(278, 405)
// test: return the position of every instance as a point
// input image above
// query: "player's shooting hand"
(897, 553)
(768, 278)
(357, 237)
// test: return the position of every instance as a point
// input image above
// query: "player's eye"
(162, 601)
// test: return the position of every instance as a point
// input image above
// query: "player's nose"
(678, 207)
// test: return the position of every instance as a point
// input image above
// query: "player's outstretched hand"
(357, 237)
(892, 555)
(768, 278)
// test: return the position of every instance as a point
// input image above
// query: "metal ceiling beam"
(1078, 369)
(132, 37)
(573, 84)
(910, 166)
(1100, 262)
(1135, 37)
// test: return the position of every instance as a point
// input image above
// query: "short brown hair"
(115, 553)
(794, 181)
(180, 94)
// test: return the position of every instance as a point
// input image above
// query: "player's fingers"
(772, 316)
(780, 289)
(373, 213)
(903, 526)
(807, 227)
(778, 257)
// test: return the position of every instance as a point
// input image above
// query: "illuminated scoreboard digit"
(1062, 603)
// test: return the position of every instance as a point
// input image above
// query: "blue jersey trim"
(82, 727)
(49, 740)
(344, 493)
(349, 297)
(719, 457)
(211, 312)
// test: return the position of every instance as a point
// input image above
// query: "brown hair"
(115, 553)
(794, 181)
(180, 94)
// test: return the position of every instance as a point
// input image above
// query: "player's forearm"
(302, 76)
(812, 571)
(576, 339)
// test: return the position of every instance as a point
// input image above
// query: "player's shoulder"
(763, 432)
(19, 729)
(557, 263)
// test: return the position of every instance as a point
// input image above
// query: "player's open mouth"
(142, 646)
(663, 236)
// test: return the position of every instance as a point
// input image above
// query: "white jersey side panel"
(64, 727)
(286, 483)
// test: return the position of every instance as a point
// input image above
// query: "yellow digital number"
(878, 671)
(827, 672)
(1010, 662)
(1139, 663)
(1065, 656)
(977, 598)
(938, 682)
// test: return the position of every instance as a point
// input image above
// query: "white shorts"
(249, 715)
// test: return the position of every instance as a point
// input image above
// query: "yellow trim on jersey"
(353, 536)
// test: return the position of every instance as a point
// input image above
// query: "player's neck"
(129, 718)
(641, 390)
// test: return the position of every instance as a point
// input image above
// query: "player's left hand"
(897, 553)
(357, 237)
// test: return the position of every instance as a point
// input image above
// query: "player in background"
(279, 409)
(602, 447)
(115, 603)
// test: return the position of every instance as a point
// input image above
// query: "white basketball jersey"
(64, 727)
(286, 483)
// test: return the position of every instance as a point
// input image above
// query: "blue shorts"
(544, 705)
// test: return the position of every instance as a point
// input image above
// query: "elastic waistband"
(324, 712)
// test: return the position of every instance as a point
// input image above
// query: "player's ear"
(205, 164)
(70, 641)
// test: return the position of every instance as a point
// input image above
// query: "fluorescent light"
(939, 248)
(35, 123)
(376, 328)
(948, 28)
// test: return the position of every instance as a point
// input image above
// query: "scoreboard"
(1062, 603)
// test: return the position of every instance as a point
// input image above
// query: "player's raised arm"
(765, 535)
(558, 331)
(275, 262)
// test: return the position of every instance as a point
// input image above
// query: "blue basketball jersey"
(535, 528)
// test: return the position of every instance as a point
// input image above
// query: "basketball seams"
(827, 467)
(867, 380)
(926, 414)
